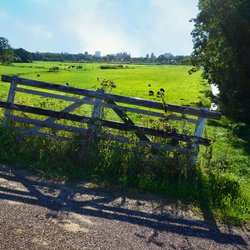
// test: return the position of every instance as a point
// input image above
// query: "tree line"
(222, 50)
(8, 54)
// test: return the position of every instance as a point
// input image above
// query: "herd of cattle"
(160, 93)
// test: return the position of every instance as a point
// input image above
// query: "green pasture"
(224, 167)
(132, 80)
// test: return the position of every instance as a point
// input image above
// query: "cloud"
(98, 26)
(138, 27)
(172, 26)
(36, 31)
(135, 26)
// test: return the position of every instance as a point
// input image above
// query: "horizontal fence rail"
(105, 123)
(95, 125)
(114, 98)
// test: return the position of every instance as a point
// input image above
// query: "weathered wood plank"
(180, 118)
(116, 98)
(67, 109)
(45, 124)
(198, 132)
(95, 116)
(106, 105)
(75, 99)
(128, 122)
(84, 132)
(132, 110)
(25, 132)
(46, 94)
(97, 106)
(10, 99)
(106, 123)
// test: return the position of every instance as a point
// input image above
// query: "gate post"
(95, 115)
(10, 99)
(198, 132)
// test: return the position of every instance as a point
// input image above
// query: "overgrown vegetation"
(220, 181)
(226, 164)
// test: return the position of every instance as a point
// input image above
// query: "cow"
(150, 92)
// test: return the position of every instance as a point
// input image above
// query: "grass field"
(180, 87)
(225, 166)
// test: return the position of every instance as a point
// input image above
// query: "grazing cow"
(162, 90)
(38, 75)
(150, 92)
(149, 85)
(67, 83)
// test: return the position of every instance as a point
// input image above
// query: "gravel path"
(37, 214)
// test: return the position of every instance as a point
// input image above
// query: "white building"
(98, 54)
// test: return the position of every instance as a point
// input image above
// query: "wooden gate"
(95, 126)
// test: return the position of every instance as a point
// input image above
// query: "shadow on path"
(59, 198)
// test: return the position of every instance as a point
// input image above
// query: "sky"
(138, 27)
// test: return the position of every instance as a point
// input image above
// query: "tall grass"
(219, 182)
(108, 163)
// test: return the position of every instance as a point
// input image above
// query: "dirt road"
(37, 214)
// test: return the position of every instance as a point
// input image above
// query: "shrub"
(119, 66)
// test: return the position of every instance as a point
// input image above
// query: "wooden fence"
(103, 128)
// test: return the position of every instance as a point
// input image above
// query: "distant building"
(98, 54)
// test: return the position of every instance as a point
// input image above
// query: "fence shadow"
(243, 132)
(100, 207)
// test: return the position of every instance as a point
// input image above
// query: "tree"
(22, 55)
(6, 52)
(152, 57)
(222, 50)
(161, 59)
